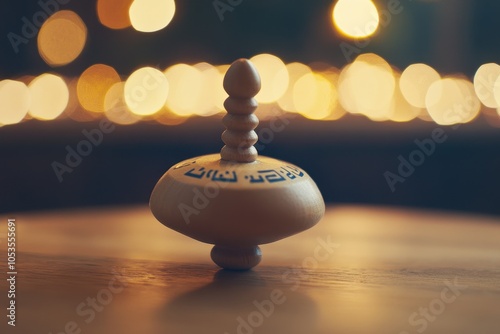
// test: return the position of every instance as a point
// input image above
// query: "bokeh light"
(367, 87)
(451, 101)
(82, 115)
(314, 96)
(73, 104)
(151, 15)
(484, 84)
(355, 18)
(15, 100)
(295, 71)
(146, 91)
(274, 77)
(26, 79)
(207, 99)
(93, 85)
(401, 110)
(116, 109)
(305, 93)
(62, 38)
(114, 14)
(185, 89)
(471, 105)
(49, 97)
(492, 117)
(220, 94)
(332, 74)
(415, 81)
(169, 118)
(496, 92)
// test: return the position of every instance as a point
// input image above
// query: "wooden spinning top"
(237, 200)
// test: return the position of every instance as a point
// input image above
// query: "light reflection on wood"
(388, 264)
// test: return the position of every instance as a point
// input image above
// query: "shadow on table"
(243, 303)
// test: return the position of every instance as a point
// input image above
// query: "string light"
(485, 84)
(295, 71)
(274, 77)
(49, 97)
(15, 100)
(116, 109)
(368, 86)
(93, 85)
(61, 38)
(451, 101)
(401, 110)
(355, 18)
(186, 85)
(415, 82)
(151, 15)
(146, 91)
(114, 14)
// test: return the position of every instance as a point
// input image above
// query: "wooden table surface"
(360, 270)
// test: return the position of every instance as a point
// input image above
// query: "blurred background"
(382, 102)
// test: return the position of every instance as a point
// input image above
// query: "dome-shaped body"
(234, 199)
(233, 204)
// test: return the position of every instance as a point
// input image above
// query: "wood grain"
(385, 265)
